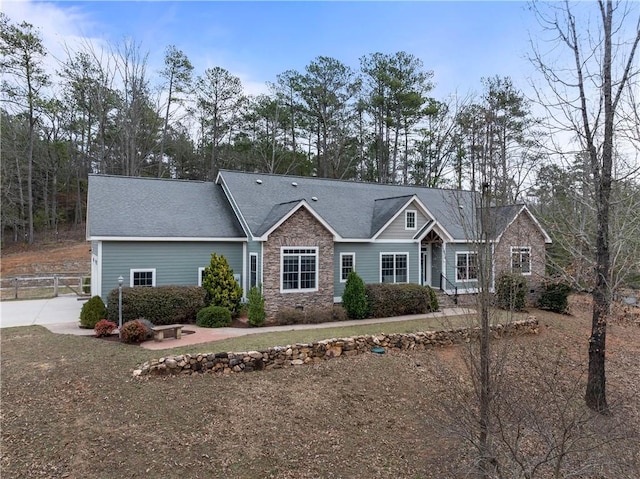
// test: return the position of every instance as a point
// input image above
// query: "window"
(347, 265)
(394, 267)
(253, 270)
(200, 275)
(466, 266)
(521, 259)
(410, 220)
(142, 277)
(299, 268)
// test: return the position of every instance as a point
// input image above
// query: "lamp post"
(120, 280)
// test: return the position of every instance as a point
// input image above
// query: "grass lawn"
(260, 340)
(71, 409)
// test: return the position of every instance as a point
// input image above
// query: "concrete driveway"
(44, 312)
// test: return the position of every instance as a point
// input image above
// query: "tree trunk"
(595, 395)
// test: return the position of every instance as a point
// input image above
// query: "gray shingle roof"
(501, 217)
(352, 209)
(120, 206)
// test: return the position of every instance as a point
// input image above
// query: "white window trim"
(415, 220)
(353, 255)
(142, 270)
(467, 280)
(309, 290)
(519, 249)
(406, 253)
(200, 271)
(251, 256)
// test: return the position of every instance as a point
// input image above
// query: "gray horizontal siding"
(176, 263)
(452, 249)
(368, 261)
(396, 230)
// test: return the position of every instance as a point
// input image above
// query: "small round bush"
(354, 298)
(92, 311)
(214, 317)
(133, 332)
(104, 327)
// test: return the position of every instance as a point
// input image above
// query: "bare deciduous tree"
(583, 99)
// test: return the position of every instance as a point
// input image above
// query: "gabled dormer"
(399, 218)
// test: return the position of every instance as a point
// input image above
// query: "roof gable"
(353, 210)
(282, 212)
(504, 216)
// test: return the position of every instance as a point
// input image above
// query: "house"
(299, 237)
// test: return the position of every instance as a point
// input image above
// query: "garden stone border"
(303, 353)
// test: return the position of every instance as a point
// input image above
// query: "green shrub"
(161, 305)
(104, 327)
(214, 317)
(220, 285)
(133, 332)
(255, 311)
(511, 291)
(388, 300)
(354, 298)
(433, 299)
(92, 311)
(554, 297)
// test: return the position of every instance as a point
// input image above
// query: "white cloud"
(61, 28)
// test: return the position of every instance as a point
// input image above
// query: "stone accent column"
(301, 230)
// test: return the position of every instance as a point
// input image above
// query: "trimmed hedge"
(388, 300)
(214, 317)
(161, 305)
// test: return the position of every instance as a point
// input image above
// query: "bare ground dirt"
(71, 409)
(68, 253)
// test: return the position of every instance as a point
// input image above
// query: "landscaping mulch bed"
(115, 338)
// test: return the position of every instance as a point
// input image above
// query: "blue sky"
(461, 42)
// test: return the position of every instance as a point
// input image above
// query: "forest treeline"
(105, 111)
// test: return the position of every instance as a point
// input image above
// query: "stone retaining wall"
(299, 354)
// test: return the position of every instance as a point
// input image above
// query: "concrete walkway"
(29, 312)
(61, 316)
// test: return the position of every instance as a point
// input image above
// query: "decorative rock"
(171, 363)
(333, 351)
(279, 357)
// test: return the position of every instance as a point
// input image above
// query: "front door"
(425, 259)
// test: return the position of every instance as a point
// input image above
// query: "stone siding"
(299, 354)
(300, 230)
(522, 232)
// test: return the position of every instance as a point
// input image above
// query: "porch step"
(449, 301)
